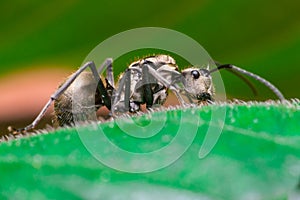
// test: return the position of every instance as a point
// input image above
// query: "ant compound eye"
(195, 74)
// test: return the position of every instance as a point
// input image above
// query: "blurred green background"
(260, 36)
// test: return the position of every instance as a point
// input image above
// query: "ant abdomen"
(80, 101)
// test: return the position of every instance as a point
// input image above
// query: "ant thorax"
(164, 65)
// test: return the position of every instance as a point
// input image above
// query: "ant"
(145, 81)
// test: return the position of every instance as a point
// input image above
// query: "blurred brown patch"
(23, 94)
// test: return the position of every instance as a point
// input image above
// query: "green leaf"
(257, 156)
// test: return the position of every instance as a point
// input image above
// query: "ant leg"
(147, 93)
(104, 94)
(35, 122)
(125, 81)
(104, 65)
(59, 92)
(100, 86)
(110, 73)
(166, 83)
(117, 93)
(107, 64)
(127, 89)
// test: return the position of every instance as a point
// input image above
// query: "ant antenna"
(233, 69)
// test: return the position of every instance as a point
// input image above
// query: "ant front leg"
(166, 83)
(61, 90)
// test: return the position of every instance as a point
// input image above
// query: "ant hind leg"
(60, 91)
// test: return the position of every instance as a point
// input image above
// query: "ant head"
(198, 83)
